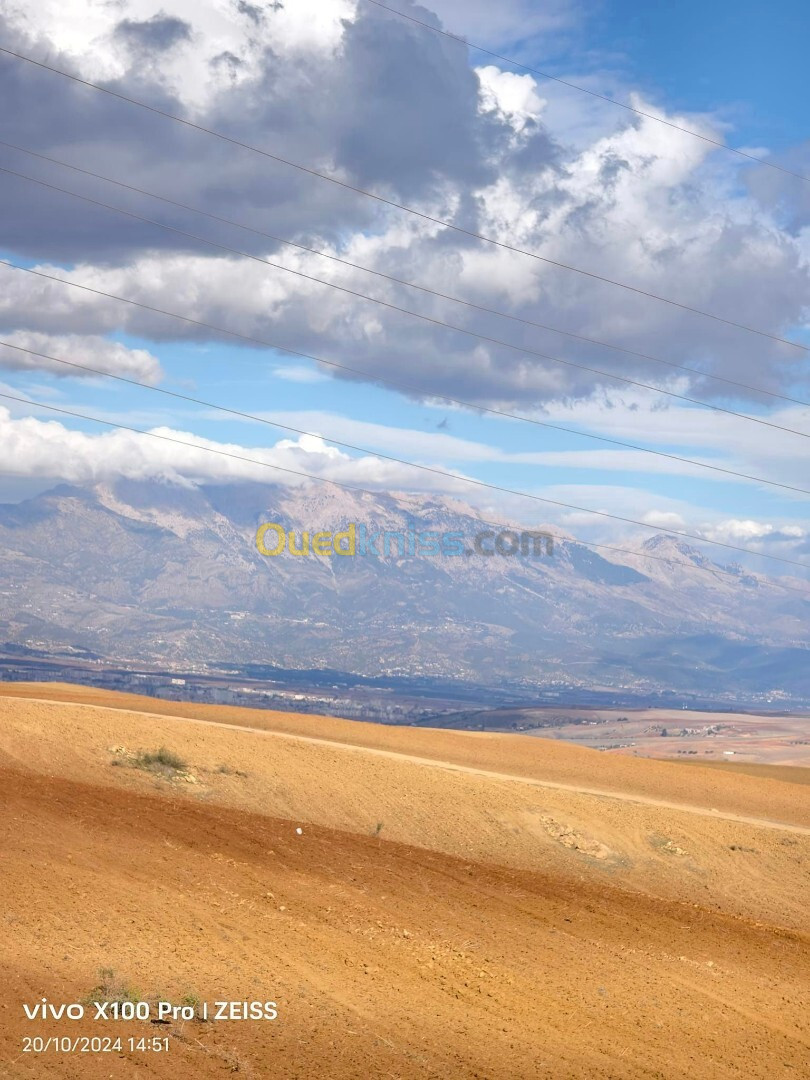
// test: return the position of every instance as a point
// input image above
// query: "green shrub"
(162, 760)
(111, 989)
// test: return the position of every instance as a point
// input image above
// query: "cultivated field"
(680, 734)
(418, 903)
(728, 738)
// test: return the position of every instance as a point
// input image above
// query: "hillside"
(455, 904)
(170, 575)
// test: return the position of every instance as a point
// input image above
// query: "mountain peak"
(674, 547)
(171, 574)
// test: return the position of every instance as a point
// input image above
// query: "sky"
(348, 89)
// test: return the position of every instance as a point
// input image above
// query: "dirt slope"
(677, 854)
(491, 929)
(520, 755)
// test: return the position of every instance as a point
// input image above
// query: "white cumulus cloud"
(90, 350)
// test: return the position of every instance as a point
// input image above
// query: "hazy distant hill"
(157, 573)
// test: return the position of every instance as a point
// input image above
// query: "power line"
(536, 498)
(390, 277)
(384, 303)
(231, 140)
(384, 380)
(591, 93)
(366, 450)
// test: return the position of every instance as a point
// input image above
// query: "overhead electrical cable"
(383, 380)
(460, 40)
(502, 245)
(366, 450)
(465, 480)
(384, 303)
(396, 280)
(714, 571)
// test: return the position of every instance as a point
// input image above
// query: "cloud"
(91, 350)
(514, 96)
(88, 33)
(422, 445)
(664, 520)
(296, 373)
(155, 35)
(786, 196)
(383, 104)
(714, 437)
(510, 22)
(734, 530)
(383, 107)
(35, 447)
(408, 104)
(779, 536)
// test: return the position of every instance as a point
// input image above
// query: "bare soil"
(430, 919)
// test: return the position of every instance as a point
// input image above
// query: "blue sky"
(546, 168)
(737, 58)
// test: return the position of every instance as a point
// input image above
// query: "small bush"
(162, 760)
(111, 989)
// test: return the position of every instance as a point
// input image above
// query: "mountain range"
(164, 574)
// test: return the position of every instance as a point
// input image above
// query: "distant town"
(387, 698)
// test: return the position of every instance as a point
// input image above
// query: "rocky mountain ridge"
(164, 574)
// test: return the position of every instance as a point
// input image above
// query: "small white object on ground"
(299, 831)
